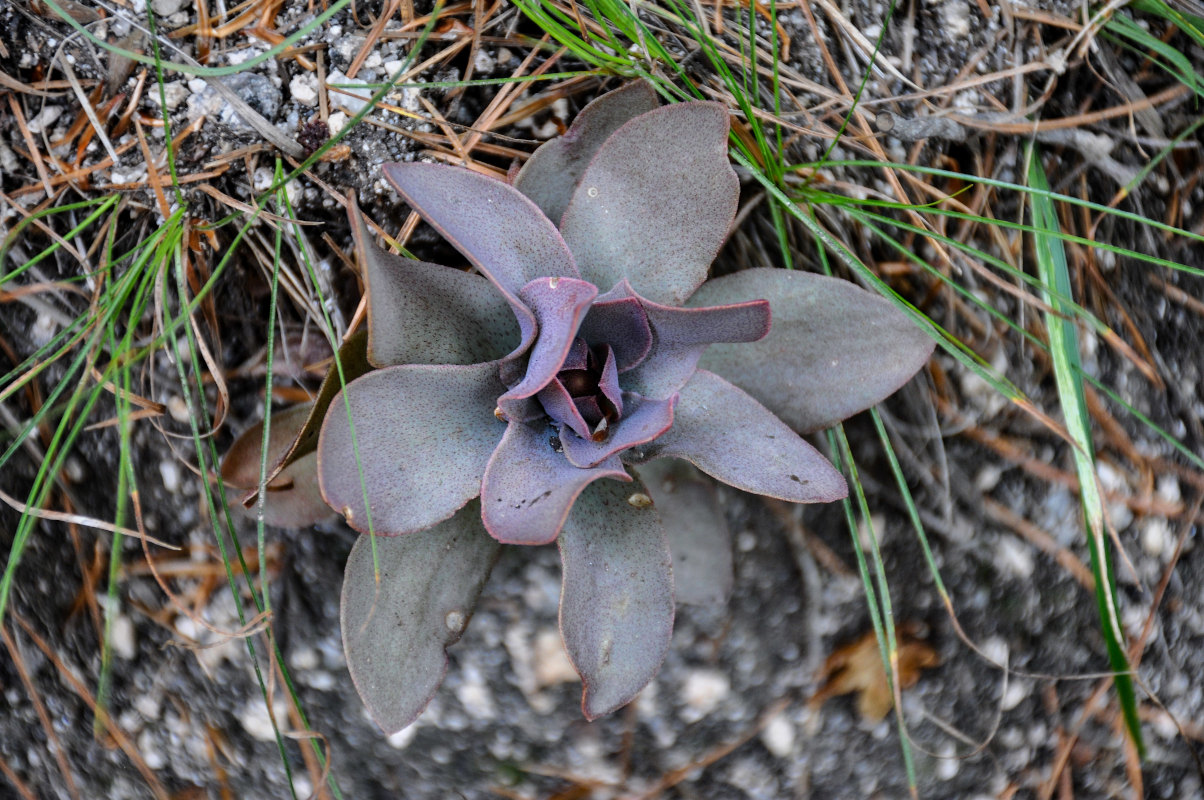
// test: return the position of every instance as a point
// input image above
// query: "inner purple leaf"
(646, 419)
(623, 325)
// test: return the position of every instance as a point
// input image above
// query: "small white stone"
(702, 691)
(178, 408)
(262, 179)
(1015, 694)
(1155, 537)
(170, 471)
(336, 122)
(150, 751)
(304, 658)
(304, 89)
(122, 637)
(955, 15)
(475, 696)
(174, 94)
(256, 721)
(402, 739)
(1168, 489)
(778, 736)
(1015, 556)
(550, 663)
(42, 121)
(148, 706)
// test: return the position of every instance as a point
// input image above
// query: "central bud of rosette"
(585, 394)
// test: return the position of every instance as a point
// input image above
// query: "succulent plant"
(513, 406)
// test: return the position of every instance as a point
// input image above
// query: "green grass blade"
(1064, 349)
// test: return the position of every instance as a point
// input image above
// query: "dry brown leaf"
(857, 667)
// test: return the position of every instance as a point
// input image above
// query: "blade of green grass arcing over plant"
(1064, 349)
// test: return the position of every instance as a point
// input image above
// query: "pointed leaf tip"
(833, 349)
(616, 602)
(396, 632)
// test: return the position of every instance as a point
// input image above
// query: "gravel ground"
(728, 716)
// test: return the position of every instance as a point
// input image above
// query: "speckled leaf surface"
(616, 600)
(293, 500)
(499, 230)
(529, 485)
(834, 349)
(396, 633)
(644, 419)
(551, 174)
(697, 530)
(420, 313)
(730, 436)
(424, 435)
(655, 208)
(559, 304)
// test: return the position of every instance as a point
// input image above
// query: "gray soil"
(728, 716)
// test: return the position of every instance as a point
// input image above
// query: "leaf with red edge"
(834, 349)
(292, 498)
(424, 436)
(493, 224)
(733, 438)
(616, 600)
(643, 420)
(396, 632)
(421, 313)
(552, 171)
(529, 486)
(655, 203)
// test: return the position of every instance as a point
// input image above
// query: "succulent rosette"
(510, 406)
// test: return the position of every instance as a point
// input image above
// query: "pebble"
(475, 696)
(1015, 694)
(551, 664)
(1015, 556)
(149, 748)
(178, 408)
(255, 720)
(402, 739)
(258, 91)
(702, 692)
(778, 736)
(1155, 537)
(170, 472)
(304, 89)
(122, 637)
(44, 119)
(174, 93)
(351, 103)
(165, 8)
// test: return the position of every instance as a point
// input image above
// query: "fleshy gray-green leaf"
(424, 433)
(655, 203)
(733, 438)
(293, 500)
(616, 600)
(420, 313)
(697, 530)
(551, 174)
(396, 633)
(493, 224)
(834, 349)
(529, 486)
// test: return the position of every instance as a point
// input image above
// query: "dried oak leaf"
(857, 667)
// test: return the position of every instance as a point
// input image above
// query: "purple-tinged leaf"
(423, 435)
(654, 206)
(621, 323)
(353, 356)
(421, 313)
(608, 382)
(396, 632)
(529, 486)
(834, 349)
(499, 230)
(681, 335)
(551, 173)
(733, 438)
(559, 305)
(645, 420)
(697, 531)
(562, 407)
(616, 601)
(292, 498)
